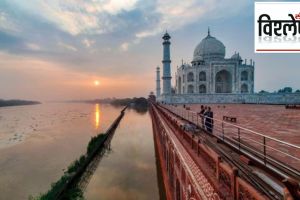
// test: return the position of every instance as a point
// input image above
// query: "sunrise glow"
(96, 83)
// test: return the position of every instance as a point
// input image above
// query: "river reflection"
(97, 116)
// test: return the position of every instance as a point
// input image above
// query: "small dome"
(185, 65)
(166, 36)
(209, 48)
(236, 56)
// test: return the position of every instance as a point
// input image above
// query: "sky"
(57, 49)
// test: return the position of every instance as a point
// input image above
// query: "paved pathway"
(201, 183)
(272, 120)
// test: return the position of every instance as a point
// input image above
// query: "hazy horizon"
(72, 50)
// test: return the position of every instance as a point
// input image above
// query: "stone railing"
(266, 98)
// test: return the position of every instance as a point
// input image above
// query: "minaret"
(157, 82)
(166, 65)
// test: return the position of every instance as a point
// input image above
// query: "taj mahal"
(212, 78)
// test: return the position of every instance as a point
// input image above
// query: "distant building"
(211, 78)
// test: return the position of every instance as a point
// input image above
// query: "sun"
(96, 82)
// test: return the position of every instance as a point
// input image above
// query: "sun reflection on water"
(97, 116)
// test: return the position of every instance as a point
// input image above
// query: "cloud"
(69, 18)
(175, 14)
(77, 16)
(6, 23)
(115, 6)
(67, 46)
(130, 20)
(33, 47)
(104, 27)
(124, 46)
(87, 43)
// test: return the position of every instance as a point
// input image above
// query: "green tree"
(286, 90)
(263, 92)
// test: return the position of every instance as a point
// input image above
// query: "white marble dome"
(209, 48)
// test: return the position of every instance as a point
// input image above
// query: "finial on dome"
(208, 32)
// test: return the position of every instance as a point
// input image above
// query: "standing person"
(201, 114)
(205, 115)
(212, 119)
(209, 120)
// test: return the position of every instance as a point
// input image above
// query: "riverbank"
(17, 102)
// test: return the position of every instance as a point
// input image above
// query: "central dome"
(209, 49)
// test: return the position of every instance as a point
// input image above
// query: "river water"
(38, 142)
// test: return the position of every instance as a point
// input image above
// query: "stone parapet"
(270, 98)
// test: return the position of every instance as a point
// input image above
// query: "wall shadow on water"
(139, 110)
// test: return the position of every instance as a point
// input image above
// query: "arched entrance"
(190, 77)
(223, 82)
(202, 76)
(244, 76)
(190, 89)
(202, 88)
(244, 88)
